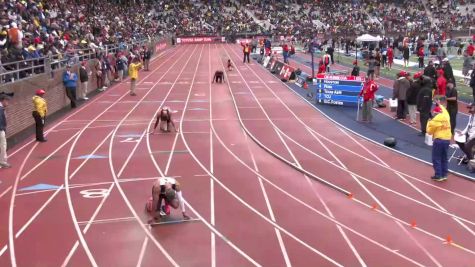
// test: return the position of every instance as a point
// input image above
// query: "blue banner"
(337, 92)
(345, 88)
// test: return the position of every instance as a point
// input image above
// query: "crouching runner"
(167, 191)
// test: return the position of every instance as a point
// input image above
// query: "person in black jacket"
(424, 102)
(83, 78)
(452, 105)
(147, 55)
(448, 72)
(4, 101)
(411, 97)
(356, 69)
(431, 72)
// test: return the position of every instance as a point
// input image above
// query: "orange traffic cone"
(449, 240)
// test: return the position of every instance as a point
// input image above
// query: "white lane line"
(411, 184)
(297, 199)
(70, 254)
(142, 251)
(211, 165)
(6, 191)
(261, 184)
(342, 165)
(11, 241)
(67, 119)
(171, 154)
(67, 177)
(114, 174)
(23, 228)
(93, 217)
(248, 206)
(3, 250)
(211, 227)
(112, 220)
(350, 172)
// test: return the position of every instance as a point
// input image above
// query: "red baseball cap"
(418, 75)
(437, 109)
(40, 92)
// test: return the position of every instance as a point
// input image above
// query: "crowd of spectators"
(60, 30)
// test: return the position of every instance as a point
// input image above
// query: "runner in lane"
(167, 190)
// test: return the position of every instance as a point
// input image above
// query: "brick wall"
(19, 111)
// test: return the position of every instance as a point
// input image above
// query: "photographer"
(4, 101)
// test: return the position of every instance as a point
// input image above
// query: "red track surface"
(241, 154)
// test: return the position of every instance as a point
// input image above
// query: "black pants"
(473, 93)
(219, 79)
(401, 109)
(40, 125)
(467, 148)
(246, 55)
(421, 62)
(71, 94)
(424, 117)
(453, 120)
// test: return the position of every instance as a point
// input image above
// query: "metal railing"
(23, 69)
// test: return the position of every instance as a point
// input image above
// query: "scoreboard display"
(338, 90)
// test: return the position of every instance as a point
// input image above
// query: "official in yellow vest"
(134, 68)
(439, 128)
(39, 114)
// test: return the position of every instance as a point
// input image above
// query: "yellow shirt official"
(134, 70)
(439, 126)
(40, 105)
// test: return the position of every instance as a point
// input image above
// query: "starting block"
(170, 220)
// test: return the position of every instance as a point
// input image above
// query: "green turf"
(465, 92)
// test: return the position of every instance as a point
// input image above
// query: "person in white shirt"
(465, 139)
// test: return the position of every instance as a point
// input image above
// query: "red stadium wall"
(18, 113)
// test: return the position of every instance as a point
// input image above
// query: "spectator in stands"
(39, 114)
(412, 93)
(424, 102)
(400, 88)
(134, 68)
(70, 83)
(452, 105)
(439, 128)
(368, 93)
(84, 79)
(15, 36)
(4, 101)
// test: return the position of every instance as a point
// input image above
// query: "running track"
(270, 180)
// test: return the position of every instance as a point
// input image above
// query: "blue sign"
(338, 90)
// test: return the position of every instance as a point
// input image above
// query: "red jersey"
(470, 50)
(420, 53)
(369, 90)
(390, 54)
(441, 85)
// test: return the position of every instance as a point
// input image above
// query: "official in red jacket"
(368, 94)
